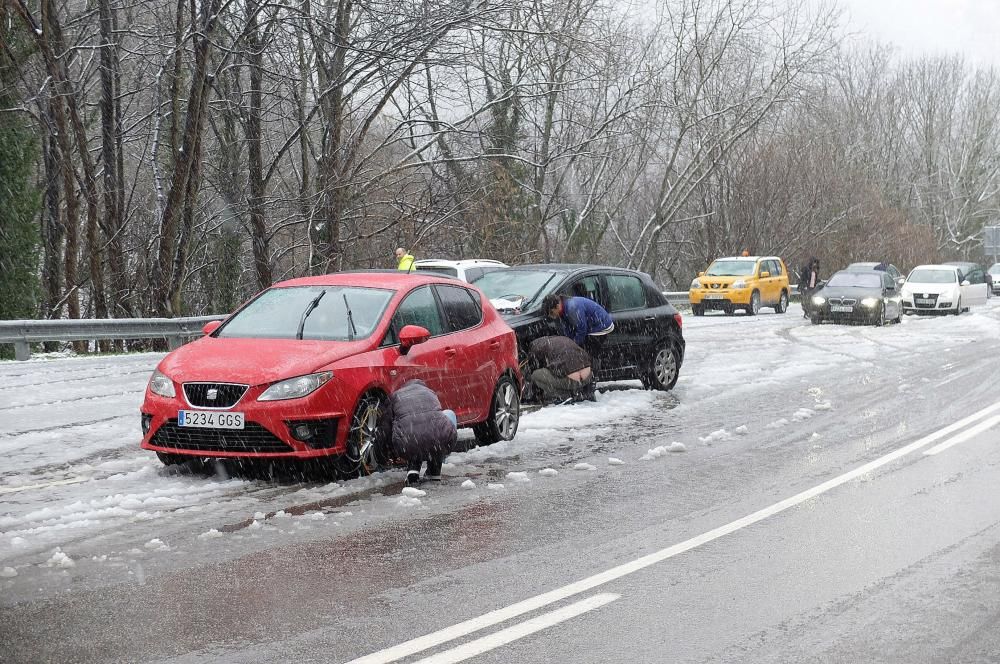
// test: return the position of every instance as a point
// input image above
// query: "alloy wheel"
(665, 367)
(507, 410)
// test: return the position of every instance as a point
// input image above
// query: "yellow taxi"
(746, 282)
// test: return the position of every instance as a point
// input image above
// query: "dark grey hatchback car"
(647, 343)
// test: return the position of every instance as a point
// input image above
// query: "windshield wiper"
(309, 310)
(524, 304)
(351, 331)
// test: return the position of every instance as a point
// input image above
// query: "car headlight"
(160, 384)
(695, 284)
(819, 300)
(870, 302)
(739, 284)
(295, 388)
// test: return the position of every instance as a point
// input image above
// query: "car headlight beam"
(296, 388)
(739, 284)
(870, 302)
(161, 385)
(819, 299)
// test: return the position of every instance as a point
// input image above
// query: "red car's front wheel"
(367, 449)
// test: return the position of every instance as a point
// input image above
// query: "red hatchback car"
(304, 370)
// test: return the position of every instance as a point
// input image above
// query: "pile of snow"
(584, 466)
(8, 573)
(802, 414)
(741, 430)
(613, 461)
(548, 472)
(778, 424)
(495, 486)
(412, 492)
(60, 559)
(826, 405)
(211, 534)
(468, 484)
(518, 477)
(408, 501)
(316, 516)
(721, 434)
(156, 544)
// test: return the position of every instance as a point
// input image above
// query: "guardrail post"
(22, 350)
(173, 343)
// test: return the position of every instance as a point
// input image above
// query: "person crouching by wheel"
(563, 372)
(421, 431)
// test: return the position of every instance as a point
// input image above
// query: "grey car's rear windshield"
(933, 277)
(277, 312)
(856, 280)
(513, 284)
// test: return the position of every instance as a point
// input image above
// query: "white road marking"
(46, 485)
(965, 435)
(497, 616)
(519, 631)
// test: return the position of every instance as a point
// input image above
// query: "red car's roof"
(393, 280)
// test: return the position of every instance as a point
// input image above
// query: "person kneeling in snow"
(421, 431)
(563, 372)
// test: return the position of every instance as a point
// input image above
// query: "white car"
(468, 270)
(931, 288)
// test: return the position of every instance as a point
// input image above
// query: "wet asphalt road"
(901, 564)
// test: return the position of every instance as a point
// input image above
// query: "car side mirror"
(701, 274)
(211, 326)
(410, 336)
(765, 275)
(966, 283)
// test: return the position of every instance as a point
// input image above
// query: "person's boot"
(433, 473)
(412, 478)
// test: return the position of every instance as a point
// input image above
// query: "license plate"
(841, 309)
(923, 301)
(713, 296)
(207, 419)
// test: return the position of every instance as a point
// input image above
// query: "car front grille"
(843, 301)
(214, 395)
(252, 438)
(932, 298)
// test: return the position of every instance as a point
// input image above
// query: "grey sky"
(968, 27)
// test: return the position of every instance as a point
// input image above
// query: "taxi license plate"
(713, 296)
(840, 309)
(206, 419)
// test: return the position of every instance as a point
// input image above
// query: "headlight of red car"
(294, 388)
(160, 384)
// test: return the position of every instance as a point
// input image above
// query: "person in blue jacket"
(583, 320)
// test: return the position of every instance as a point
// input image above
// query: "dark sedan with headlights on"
(857, 296)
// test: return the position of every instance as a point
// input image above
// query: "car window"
(332, 313)
(731, 268)
(473, 273)
(587, 287)
(774, 268)
(926, 276)
(625, 292)
(419, 308)
(888, 281)
(461, 307)
(447, 271)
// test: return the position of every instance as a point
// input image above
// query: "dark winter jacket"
(420, 431)
(582, 316)
(560, 355)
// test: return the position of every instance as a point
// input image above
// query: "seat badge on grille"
(212, 394)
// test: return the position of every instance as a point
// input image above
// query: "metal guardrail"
(22, 333)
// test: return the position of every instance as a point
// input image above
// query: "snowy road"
(105, 555)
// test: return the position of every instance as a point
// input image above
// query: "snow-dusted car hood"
(254, 361)
(930, 289)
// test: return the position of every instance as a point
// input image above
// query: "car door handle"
(450, 352)
(494, 345)
(650, 318)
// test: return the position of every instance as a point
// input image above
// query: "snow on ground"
(76, 489)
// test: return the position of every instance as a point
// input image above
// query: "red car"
(304, 369)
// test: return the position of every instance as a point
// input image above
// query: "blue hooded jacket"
(582, 316)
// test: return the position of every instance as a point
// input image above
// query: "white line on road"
(497, 616)
(965, 435)
(46, 485)
(519, 631)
